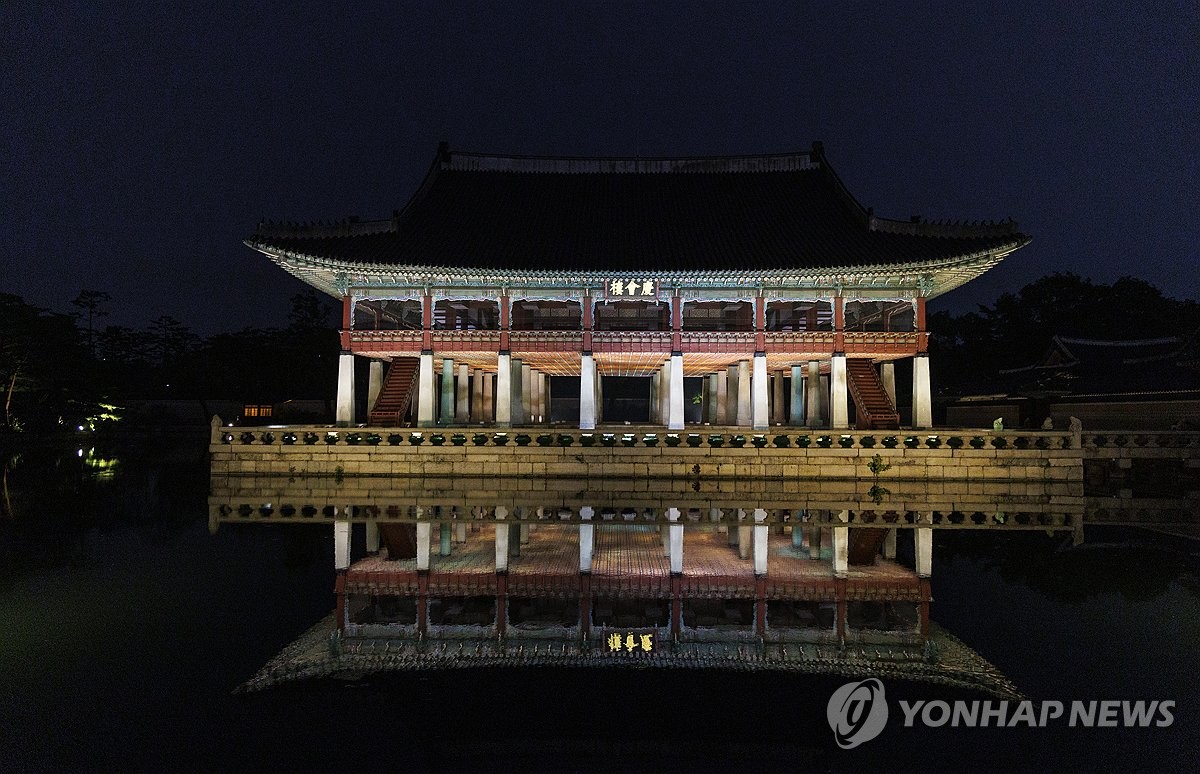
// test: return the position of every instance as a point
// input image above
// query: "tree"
(92, 301)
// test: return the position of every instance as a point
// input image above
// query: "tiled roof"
(752, 213)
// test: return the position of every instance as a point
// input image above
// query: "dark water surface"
(124, 627)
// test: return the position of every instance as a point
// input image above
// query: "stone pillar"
(503, 396)
(675, 417)
(796, 406)
(743, 393)
(518, 405)
(341, 544)
(374, 384)
(460, 532)
(489, 385)
(425, 399)
(922, 405)
(476, 413)
(760, 541)
(745, 536)
(587, 538)
(446, 415)
(779, 404)
(445, 535)
(372, 537)
(839, 414)
(345, 390)
(544, 395)
(841, 547)
(711, 411)
(501, 539)
(923, 545)
(797, 529)
(760, 418)
(587, 392)
(424, 530)
(889, 544)
(527, 393)
(722, 398)
(535, 398)
(731, 397)
(675, 540)
(599, 396)
(462, 402)
(887, 374)
(824, 395)
(655, 398)
(812, 384)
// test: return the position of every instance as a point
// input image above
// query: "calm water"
(124, 627)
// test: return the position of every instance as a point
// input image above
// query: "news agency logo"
(857, 712)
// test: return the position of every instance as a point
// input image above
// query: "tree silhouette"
(92, 301)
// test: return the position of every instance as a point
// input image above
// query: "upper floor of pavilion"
(779, 226)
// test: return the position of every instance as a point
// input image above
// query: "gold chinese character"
(647, 642)
(616, 287)
(630, 643)
(648, 288)
(614, 642)
(631, 288)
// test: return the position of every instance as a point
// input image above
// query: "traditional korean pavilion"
(739, 291)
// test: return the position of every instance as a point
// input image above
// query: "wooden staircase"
(396, 394)
(874, 409)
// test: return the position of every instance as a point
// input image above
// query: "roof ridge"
(457, 161)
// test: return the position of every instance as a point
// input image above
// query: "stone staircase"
(874, 408)
(396, 394)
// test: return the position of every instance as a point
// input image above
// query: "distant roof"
(1075, 365)
(786, 211)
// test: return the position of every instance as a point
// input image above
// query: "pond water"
(125, 627)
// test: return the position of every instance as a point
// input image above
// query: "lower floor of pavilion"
(707, 582)
(514, 389)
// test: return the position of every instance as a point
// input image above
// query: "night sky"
(139, 145)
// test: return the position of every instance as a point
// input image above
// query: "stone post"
(744, 416)
(713, 409)
(476, 413)
(341, 543)
(759, 414)
(731, 394)
(587, 538)
(923, 545)
(535, 398)
(722, 398)
(760, 541)
(503, 396)
(587, 392)
(425, 399)
(445, 536)
(372, 537)
(446, 415)
(489, 386)
(839, 397)
(527, 393)
(345, 392)
(462, 403)
(841, 547)
(675, 541)
(675, 417)
(779, 404)
(812, 384)
(374, 384)
(518, 406)
(424, 530)
(889, 544)
(501, 539)
(887, 374)
(922, 407)
(796, 406)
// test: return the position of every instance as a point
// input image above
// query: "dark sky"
(140, 144)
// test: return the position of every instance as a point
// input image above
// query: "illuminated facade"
(743, 291)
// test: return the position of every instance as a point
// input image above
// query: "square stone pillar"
(731, 394)
(527, 393)
(501, 539)
(922, 405)
(675, 417)
(796, 406)
(923, 545)
(722, 417)
(489, 386)
(839, 398)
(503, 397)
(887, 374)
(812, 388)
(587, 392)
(760, 416)
(760, 541)
(446, 414)
(425, 398)
(889, 544)
(341, 543)
(374, 384)
(424, 534)
(535, 398)
(462, 399)
(372, 537)
(518, 402)
(778, 403)
(841, 547)
(655, 396)
(675, 541)
(713, 407)
(587, 538)
(744, 416)
(824, 396)
(345, 391)
(476, 410)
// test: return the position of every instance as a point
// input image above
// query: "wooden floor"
(628, 560)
